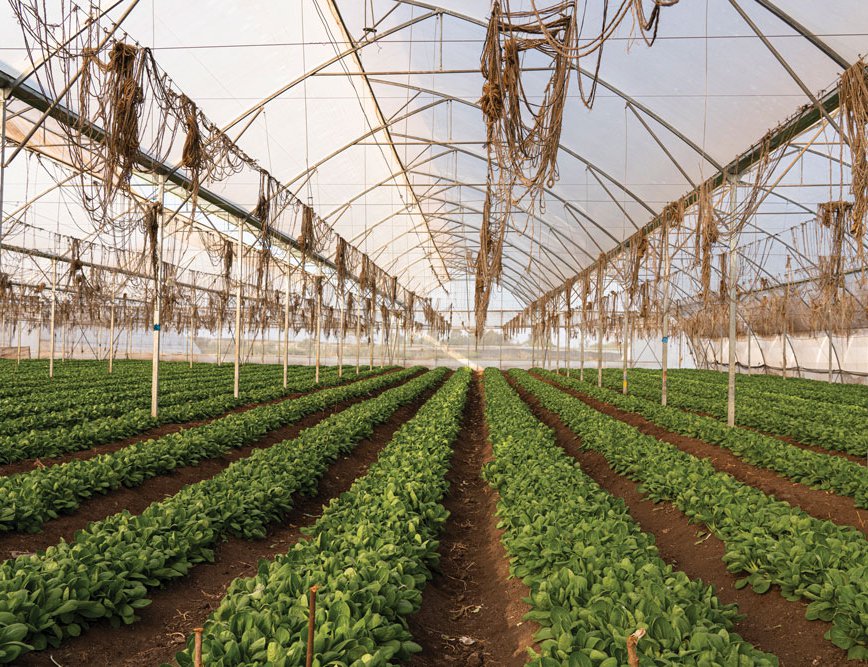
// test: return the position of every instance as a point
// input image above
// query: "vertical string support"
(625, 346)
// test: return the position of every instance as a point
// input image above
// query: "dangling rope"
(853, 93)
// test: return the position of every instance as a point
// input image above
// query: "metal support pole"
(53, 312)
(828, 335)
(664, 338)
(318, 325)
(582, 347)
(190, 337)
(220, 341)
(568, 327)
(342, 334)
(733, 297)
(4, 100)
(111, 349)
(626, 348)
(558, 345)
(286, 329)
(18, 350)
(358, 339)
(600, 330)
(371, 340)
(238, 295)
(158, 297)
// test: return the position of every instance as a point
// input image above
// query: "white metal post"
(111, 350)
(51, 322)
(238, 294)
(318, 325)
(733, 288)
(664, 338)
(358, 339)
(625, 346)
(286, 328)
(341, 334)
(158, 297)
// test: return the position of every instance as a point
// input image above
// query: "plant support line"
(733, 295)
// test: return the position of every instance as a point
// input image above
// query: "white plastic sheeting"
(708, 89)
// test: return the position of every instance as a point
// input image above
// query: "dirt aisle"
(772, 623)
(471, 612)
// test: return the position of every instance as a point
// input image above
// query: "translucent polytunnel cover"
(369, 111)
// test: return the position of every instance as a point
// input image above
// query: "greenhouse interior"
(434, 332)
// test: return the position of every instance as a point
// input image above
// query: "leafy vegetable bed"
(768, 540)
(370, 553)
(107, 570)
(820, 471)
(832, 427)
(60, 440)
(594, 575)
(35, 497)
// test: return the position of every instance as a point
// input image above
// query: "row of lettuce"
(594, 576)
(814, 469)
(109, 567)
(768, 541)
(836, 427)
(71, 407)
(198, 400)
(815, 390)
(32, 498)
(371, 554)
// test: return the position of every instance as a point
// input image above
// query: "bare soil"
(471, 612)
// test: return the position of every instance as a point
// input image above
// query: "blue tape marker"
(665, 339)
(156, 327)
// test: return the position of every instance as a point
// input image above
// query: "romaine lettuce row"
(35, 497)
(768, 540)
(810, 423)
(370, 553)
(109, 567)
(594, 575)
(820, 471)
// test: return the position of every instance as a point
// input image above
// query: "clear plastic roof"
(369, 111)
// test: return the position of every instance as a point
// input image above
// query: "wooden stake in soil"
(197, 647)
(632, 641)
(311, 623)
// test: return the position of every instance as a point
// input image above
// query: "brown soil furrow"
(772, 623)
(137, 498)
(471, 612)
(823, 505)
(165, 624)
(27, 465)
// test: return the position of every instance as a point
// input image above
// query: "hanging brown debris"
(341, 263)
(153, 217)
(853, 93)
(193, 155)
(306, 238)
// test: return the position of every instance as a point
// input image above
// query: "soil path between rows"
(26, 465)
(820, 504)
(472, 612)
(136, 499)
(772, 623)
(184, 604)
